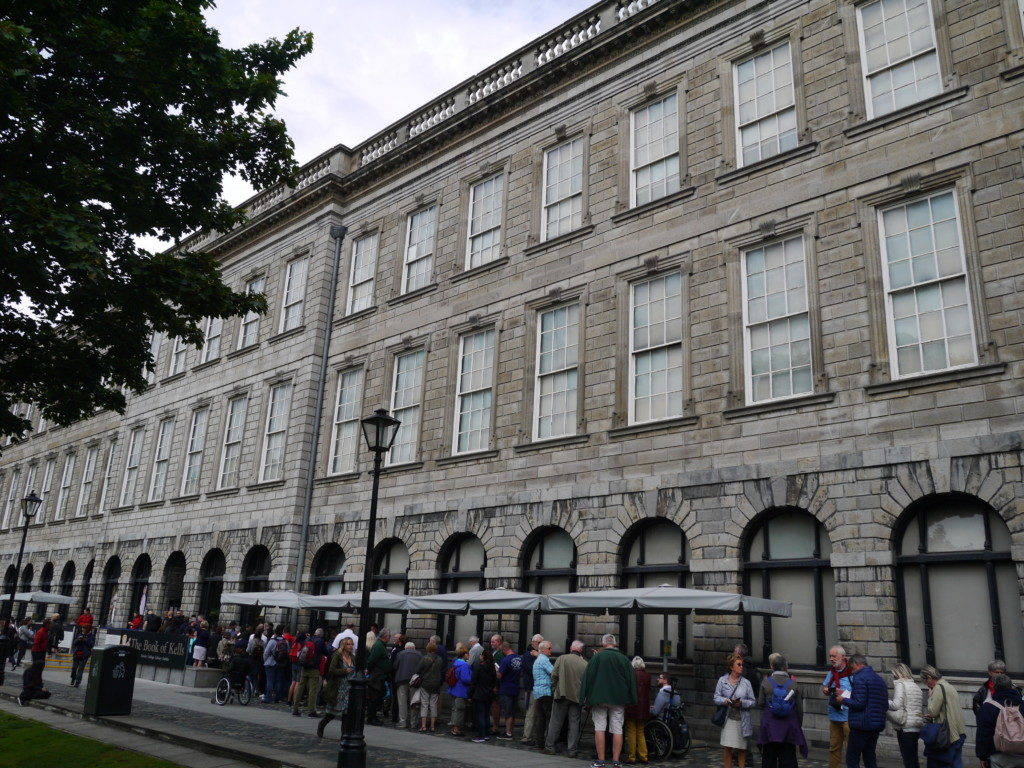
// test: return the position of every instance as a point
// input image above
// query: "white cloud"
(372, 63)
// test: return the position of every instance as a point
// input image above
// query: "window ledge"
(479, 270)
(208, 364)
(465, 458)
(172, 377)
(241, 351)
(183, 499)
(125, 508)
(404, 297)
(651, 426)
(344, 477)
(351, 318)
(772, 406)
(554, 442)
(62, 521)
(943, 377)
(769, 162)
(912, 110)
(266, 485)
(405, 467)
(152, 504)
(287, 334)
(554, 242)
(662, 202)
(222, 493)
(1013, 72)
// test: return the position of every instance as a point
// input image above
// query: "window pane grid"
(88, 477)
(194, 455)
(655, 150)
(656, 348)
(233, 433)
(131, 466)
(155, 340)
(249, 330)
(900, 61)
(345, 440)
(12, 496)
(419, 250)
(931, 327)
(276, 432)
(64, 493)
(777, 324)
(211, 344)
(178, 353)
(294, 294)
(485, 221)
(563, 189)
(406, 391)
(765, 104)
(557, 361)
(363, 270)
(476, 368)
(108, 477)
(161, 459)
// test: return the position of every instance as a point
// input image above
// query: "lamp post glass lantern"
(29, 508)
(380, 431)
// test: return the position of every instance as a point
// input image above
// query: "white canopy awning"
(38, 597)
(487, 601)
(665, 599)
(380, 600)
(283, 599)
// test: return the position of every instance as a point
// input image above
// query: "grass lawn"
(28, 743)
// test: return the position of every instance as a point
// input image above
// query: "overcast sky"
(372, 63)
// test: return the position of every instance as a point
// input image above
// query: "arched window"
(86, 585)
(141, 572)
(391, 572)
(328, 579)
(45, 585)
(255, 578)
(786, 556)
(111, 575)
(462, 564)
(211, 582)
(66, 587)
(174, 581)
(957, 589)
(654, 551)
(549, 567)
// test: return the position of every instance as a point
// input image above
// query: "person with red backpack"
(308, 658)
(781, 725)
(999, 741)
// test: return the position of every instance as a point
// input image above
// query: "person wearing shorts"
(608, 685)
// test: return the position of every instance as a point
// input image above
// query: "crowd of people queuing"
(859, 707)
(491, 685)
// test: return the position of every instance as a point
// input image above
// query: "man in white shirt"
(349, 631)
(475, 649)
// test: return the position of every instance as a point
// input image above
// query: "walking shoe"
(598, 764)
(312, 714)
(528, 743)
(479, 740)
(296, 714)
(547, 751)
(505, 736)
(20, 702)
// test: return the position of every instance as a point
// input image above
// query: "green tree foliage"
(119, 119)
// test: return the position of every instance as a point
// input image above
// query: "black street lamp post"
(29, 507)
(380, 431)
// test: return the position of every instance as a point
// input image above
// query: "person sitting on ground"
(1004, 696)
(32, 684)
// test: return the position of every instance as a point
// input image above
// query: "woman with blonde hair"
(734, 692)
(905, 712)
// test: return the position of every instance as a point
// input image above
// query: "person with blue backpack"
(781, 723)
(868, 702)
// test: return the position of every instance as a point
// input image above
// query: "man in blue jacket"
(868, 702)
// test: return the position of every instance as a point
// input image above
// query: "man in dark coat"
(868, 703)
(8, 640)
(32, 684)
(1003, 695)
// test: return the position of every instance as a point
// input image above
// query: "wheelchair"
(667, 734)
(229, 688)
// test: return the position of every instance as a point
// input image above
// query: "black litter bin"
(111, 681)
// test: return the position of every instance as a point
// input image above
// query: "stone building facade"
(719, 294)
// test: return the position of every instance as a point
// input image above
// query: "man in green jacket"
(565, 687)
(378, 665)
(608, 685)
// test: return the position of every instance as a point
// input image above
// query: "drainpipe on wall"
(338, 233)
